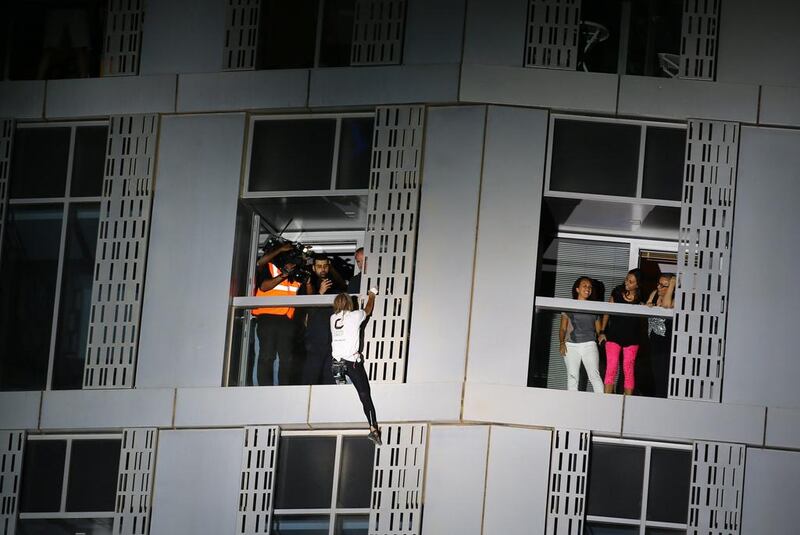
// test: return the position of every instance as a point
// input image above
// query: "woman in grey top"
(578, 340)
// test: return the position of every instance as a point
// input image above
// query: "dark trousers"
(355, 371)
(275, 337)
(317, 367)
(659, 359)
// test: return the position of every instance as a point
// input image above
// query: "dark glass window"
(664, 155)
(616, 473)
(668, 495)
(89, 160)
(287, 34)
(592, 528)
(305, 472)
(352, 525)
(87, 526)
(292, 154)
(93, 471)
(664, 531)
(337, 33)
(355, 153)
(595, 157)
(300, 525)
(76, 296)
(42, 476)
(655, 30)
(39, 162)
(28, 271)
(355, 473)
(598, 47)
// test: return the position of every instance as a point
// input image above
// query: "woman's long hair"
(343, 302)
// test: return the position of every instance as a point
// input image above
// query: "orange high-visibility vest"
(283, 289)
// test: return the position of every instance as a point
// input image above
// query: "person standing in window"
(347, 359)
(578, 340)
(354, 286)
(621, 334)
(659, 333)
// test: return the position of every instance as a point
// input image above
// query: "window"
(69, 483)
(49, 254)
(324, 482)
(637, 487)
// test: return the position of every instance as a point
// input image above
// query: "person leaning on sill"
(659, 333)
(621, 334)
(578, 339)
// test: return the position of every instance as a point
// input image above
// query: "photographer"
(274, 325)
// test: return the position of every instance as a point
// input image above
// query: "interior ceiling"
(308, 214)
(614, 218)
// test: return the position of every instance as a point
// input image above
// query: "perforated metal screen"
(717, 485)
(259, 458)
(122, 42)
(378, 32)
(699, 34)
(137, 463)
(551, 37)
(241, 34)
(569, 465)
(12, 448)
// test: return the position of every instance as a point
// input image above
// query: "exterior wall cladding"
(469, 447)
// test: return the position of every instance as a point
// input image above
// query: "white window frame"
(331, 191)
(333, 511)
(63, 513)
(642, 522)
(548, 192)
(64, 201)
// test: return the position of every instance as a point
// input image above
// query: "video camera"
(298, 255)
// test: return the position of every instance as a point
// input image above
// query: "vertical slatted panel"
(378, 32)
(391, 237)
(569, 465)
(6, 139)
(704, 249)
(12, 448)
(118, 284)
(137, 463)
(699, 33)
(715, 500)
(122, 43)
(551, 38)
(259, 459)
(241, 35)
(397, 480)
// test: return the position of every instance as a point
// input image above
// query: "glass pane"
(39, 162)
(66, 526)
(93, 470)
(305, 472)
(292, 154)
(300, 525)
(615, 481)
(76, 296)
(668, 497)
(30, 260)
(598, 46)
(337, 33)
(355, 153)
(355, 474)
(352, 525)
(594, 528)
(663, 531)
(287, 34)
(42, 476)
(664, 156)
(655, 31)
(595, 157)
(89, 161)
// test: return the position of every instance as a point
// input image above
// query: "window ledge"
(600, 307)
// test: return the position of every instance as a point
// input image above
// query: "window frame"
(64, 202)
(63, 513)
(333, 511)
(643, 125)
(642, 521)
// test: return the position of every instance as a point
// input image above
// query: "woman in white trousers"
(577, 337)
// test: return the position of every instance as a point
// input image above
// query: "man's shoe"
(375, 436)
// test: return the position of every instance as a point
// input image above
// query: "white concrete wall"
(495, 32)
(186, 294)
(434, 31)
(771, 488)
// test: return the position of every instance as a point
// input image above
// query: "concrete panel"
(197, 482)
(511, 199)
(183, 36)
(186, 298)
(245, 90)
(266, 405)
(672, 98)
(686, 420)
(363, 86)
(20, 410)
(780, 106)
(104, 409)
(446, 244)
(434, 31)
(495, 32)
(543, 88)
(761, 363)
(516, 481)
(455, 479)
(771, 487)
(758, 43)
(411, 402)
(22, 99)
(783, 428)
(543, 408)
(100, 97)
